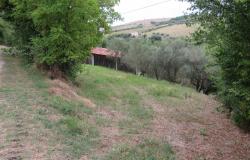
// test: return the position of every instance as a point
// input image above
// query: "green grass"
(26, 94)
(127, 93)
(80, 135)
(68, 107)
(148, 150)
(104, 85)
(74, 130)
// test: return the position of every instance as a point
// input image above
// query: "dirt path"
(10, 149)
(22, 135)
(208, 135)
(14, 131)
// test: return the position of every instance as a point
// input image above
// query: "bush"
(224, 26)
(6, 32)
(237, 100)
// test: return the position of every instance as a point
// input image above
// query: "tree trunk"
(156, 74)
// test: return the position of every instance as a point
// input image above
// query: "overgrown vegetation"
(224, 25)
(58, 35)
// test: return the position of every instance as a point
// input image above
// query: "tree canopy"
(5, 32)
(224, 25)
(59, 34)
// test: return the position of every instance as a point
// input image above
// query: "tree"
(224, 25)
(153, 65)
(59, 34)
(6, 32)
(136, 55)
(118, 45)
(172, 58)
(197, 61)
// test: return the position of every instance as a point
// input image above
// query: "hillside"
(136, 24)
(110, 115)
(178, 30)
(174, 27)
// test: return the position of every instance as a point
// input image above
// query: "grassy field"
(174, 27)
(71, 129)
(106, 115)
(179, 30)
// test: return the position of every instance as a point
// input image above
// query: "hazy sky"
(158, 9)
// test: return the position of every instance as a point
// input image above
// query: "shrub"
(224, 26)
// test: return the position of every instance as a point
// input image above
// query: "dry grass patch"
(63, 89)
(179, 30)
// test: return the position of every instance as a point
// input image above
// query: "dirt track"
(22, 136)
(212, 136)
(10, 148)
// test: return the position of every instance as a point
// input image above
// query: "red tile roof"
(105, 52)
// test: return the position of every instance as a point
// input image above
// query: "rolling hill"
(174, 27)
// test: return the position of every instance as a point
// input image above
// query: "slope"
(110, 115)
(173, 27)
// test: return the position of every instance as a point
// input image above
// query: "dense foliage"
(5, 32)
(59, 34)
(174, 60)
(224, 25)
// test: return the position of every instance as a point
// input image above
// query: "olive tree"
(136, 55)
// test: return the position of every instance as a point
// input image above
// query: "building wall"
(104, 61)
(109, 62)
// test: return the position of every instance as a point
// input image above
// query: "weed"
(149, 150)
(80, 136)
(73, 125)
(102, 122)
(203, 131)
(161, 92)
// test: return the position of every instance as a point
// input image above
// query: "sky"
(131, 10)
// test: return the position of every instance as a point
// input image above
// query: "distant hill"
(138, 24)
(173, 27)
(177, 30)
